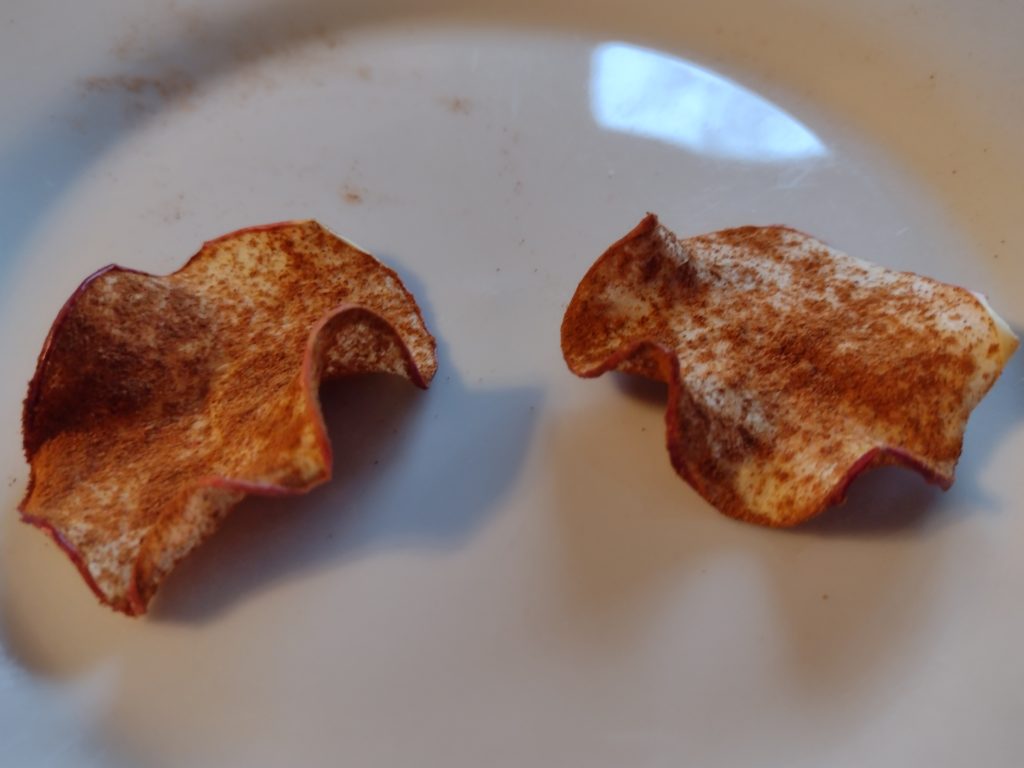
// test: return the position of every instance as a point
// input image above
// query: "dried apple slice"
(791, 367)
(159, 402)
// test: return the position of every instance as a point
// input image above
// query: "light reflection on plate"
(643, 92)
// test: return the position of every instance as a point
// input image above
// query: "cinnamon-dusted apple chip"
(791, 367)
(159, 402)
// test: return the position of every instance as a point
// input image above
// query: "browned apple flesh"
(791, 367)
(158, 402)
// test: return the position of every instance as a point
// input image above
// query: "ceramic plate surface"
(505, 570)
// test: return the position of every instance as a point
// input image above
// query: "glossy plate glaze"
(505, 570)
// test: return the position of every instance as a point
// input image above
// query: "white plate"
(505, 570)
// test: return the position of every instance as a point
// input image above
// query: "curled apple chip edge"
(791, 367)
(159, 402)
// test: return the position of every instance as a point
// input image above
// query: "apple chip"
(159, 402)
(791, 367)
